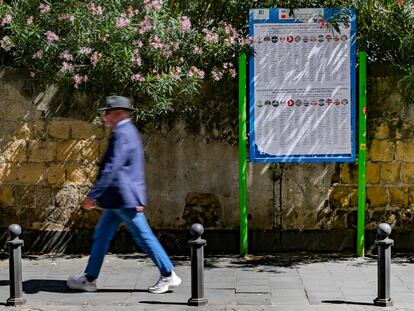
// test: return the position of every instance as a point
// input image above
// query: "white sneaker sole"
(165, 288)
(75, 286)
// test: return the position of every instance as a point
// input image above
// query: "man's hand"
(88, 203)
(140, 208)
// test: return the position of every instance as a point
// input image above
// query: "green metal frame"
(362, 139)
(242, 156)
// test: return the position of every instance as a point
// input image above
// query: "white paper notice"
(302, 92)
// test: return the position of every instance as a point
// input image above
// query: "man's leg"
(104, 233)
(142, 235)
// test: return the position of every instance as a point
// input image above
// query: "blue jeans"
(141, 233)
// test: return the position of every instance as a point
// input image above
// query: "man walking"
(120, 189)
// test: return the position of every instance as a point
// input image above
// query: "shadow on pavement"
(164, 303)
(344, 302)
(4, 282)
(59, 286)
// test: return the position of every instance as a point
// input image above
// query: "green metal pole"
(362, 135)
(242, 155)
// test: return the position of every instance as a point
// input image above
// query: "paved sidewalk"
(283, 283)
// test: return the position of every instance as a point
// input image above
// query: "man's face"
(111, 118)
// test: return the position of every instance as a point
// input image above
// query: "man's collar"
(120, 123)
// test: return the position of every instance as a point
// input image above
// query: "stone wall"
(48, 163)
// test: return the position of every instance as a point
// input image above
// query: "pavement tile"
(253, 299)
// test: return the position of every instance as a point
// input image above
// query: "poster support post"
(362, 56)
(242, 156)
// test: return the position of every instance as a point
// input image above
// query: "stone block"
(411, 197)
(398, 197)
(8, 172)
(373, 173)
(404, 151)
(85, 130)
(377, 196)
(382, 131)
(59, 129)
(90, 150)
(56, 174)
(390, 172)
(407, 173)
(32, 173)
(349, 173)
(70, 150)
(24, 131)
(14, 111)
(15, 151)
(76, 174)
(6, 195)
(381, 150)
(42, 151)
(44, 197)
(24, 195)
(343, 197)
(39, 129)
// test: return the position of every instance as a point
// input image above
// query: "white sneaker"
(81, 283)
(164, 283)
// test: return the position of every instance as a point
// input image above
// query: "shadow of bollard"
(15, 266)
(197, 266)
(384, 265)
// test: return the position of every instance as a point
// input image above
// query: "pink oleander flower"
(232, 72)
(63, 17)
(6, 20)
(145, 26)
(175, 46)
(137, 78)
(6, 43)
(136, 58)
(194, 71)
(197, 50)
(105, 37)
(30, 20)
(155, 5)
(156, 43)
(86, 51)
(216, 74)
(38, 54)
(138, 43)
(227, 65)
(185, 23)
(95, 58)
(210, 36)
(66, 67)
(175, 73)
(167, 53)
(78, 79)
(66, 55)
(51, 36)
(44, 8)
(95, 10)
(131, 12)
(121, 22)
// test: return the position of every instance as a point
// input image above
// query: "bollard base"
(197, 301)
(383, 302)
(15, 301)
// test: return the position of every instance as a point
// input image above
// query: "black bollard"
(197, 266)
(15, 266)
(384, 265)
